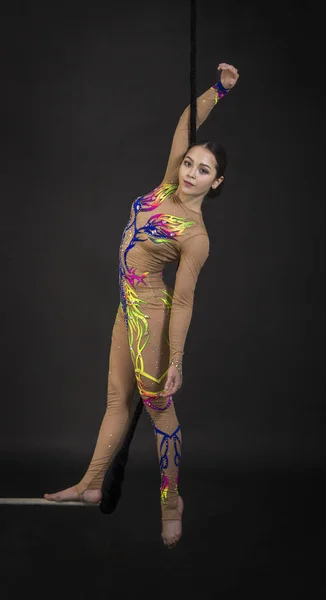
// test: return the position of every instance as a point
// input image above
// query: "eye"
(186, 162)
(204, 171)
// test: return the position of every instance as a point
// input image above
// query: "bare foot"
(172, 529)
(71, 494)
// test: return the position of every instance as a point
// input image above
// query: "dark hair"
(221, 160)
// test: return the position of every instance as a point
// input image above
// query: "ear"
(217, 182)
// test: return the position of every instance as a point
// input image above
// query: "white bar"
(44, 502)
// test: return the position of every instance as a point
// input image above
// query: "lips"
(188, 182)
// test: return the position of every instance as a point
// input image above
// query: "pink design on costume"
(148, 402)
(165, 487)
(131, 277)
(153, 199)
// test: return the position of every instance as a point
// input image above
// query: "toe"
(51, 497)
(171, 545)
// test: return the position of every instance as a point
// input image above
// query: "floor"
(257, 533)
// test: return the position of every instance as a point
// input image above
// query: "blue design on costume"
(142, 203)
(164, 447)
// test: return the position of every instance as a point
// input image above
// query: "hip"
(152, 291)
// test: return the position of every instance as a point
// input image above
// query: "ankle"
(172, 511)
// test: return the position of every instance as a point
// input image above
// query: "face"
(197, 172)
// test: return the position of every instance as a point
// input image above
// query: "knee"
(156, 402)
(118, 398)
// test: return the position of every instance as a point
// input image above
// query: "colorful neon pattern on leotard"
(167, 482)
(220, 91)
(159, 228)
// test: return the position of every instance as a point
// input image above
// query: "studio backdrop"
(93, 94)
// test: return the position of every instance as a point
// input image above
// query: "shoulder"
(155, 197)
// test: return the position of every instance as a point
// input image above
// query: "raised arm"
(205, 103)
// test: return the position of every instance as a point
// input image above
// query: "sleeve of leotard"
(193, 255)
(180, 142)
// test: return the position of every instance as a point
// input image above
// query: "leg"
(121, 385)
(151, 357)
(168, 438)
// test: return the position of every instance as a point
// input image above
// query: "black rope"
(193, 53)
(114, 477)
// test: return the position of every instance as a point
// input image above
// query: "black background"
(91, 94)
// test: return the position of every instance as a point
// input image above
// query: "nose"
(192, 172)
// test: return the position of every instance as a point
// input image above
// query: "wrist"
(174, 362)
(220, 90)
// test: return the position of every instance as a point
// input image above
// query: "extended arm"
(194, 253)
(180, 142)
(205, 103)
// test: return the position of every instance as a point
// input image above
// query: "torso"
(159, 223)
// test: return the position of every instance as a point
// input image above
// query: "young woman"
(152, 320)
